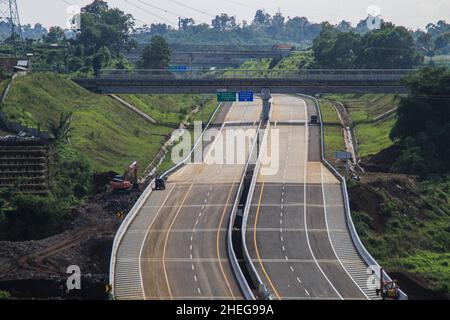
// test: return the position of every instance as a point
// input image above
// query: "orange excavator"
(123, 183)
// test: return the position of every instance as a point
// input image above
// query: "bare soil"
(37, 269)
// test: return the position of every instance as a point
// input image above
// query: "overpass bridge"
(278, 81)
(214, 55)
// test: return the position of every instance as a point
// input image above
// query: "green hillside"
(373, 136)
(333, 132)
(110, 135)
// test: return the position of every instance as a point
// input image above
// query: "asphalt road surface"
(288, 231)
(184, 252)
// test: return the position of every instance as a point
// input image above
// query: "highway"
(176, 246)
(296, 232)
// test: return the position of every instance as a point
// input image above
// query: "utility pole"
(10, 14)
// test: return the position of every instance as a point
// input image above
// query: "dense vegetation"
(406, 227)
(423, 125)
(30, 217)
(389, 47)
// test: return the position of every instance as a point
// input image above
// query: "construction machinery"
(389, 290)
(123, 183)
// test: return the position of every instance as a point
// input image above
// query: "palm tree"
(63, 129)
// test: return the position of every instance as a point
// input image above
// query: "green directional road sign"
(226, 96)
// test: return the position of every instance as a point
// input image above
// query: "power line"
(192, 8)
(148, 12)
(161, 9)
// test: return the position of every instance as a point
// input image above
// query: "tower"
(10, 14)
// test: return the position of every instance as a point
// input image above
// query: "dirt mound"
(365, 196)
(382, 161)
(102, 180)
(416, 287)
(38, 268)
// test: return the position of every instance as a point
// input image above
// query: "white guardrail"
(144, 196)
(248, 261)
(245, 288)
(370, 261)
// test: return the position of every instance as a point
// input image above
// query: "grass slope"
(405, 225)
(334, 137)
(170, 109)
(363, 109)
(110, 135)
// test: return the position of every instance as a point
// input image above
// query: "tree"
(423, 125)
(261, 19)
(390, 47)
(75, 64)
(185, 23)
(98, 61)
(224, 22)
(55, 35)
(61, 130)
(156, 55)
(102, 26)
(333, 49)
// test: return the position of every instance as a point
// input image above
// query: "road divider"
(232, 247)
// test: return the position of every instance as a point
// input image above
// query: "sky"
(410, 13)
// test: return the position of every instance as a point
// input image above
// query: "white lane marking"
(145, 239)
(292, 269)
(190, 256)
(298, 280)
(192, 266)
(305, 208)
(307, 292)
(329, 236)
(286, 257)
(195, 278)
(284, 249)
(190, 247)
(281, 238)
(199, 291)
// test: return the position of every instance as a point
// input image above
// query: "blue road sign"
(178, 68)
(246, 96)
(342, 155)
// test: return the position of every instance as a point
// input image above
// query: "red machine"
(121, 183)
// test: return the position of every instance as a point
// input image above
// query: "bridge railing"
(237, 74)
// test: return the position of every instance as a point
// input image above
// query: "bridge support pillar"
(265, 96)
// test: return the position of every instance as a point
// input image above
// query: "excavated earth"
(38, 269)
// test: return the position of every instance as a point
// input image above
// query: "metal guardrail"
(123, 229)
(248, 260)
(275, 74)
(245, 288)
(188, 157)
(137, 206)
(370, 261)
